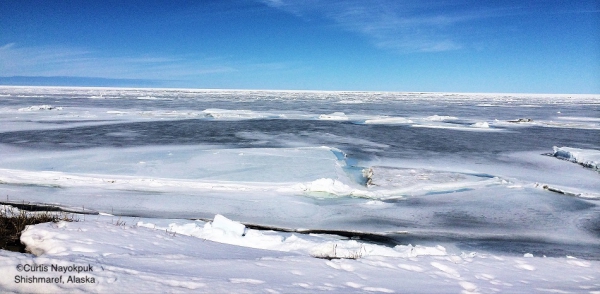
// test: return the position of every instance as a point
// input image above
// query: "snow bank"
(587, 157)
(223, 230)
(53, 239)
(9, 211)
(124, 257)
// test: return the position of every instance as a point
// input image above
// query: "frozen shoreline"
(134, 256)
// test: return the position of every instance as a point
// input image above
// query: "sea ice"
(440, 117)
(481, 125)
(334, 116)
(476, 127)
(390, 181)
(586, 157)
(388, 120)
(235, 114)
(254, 156)
(40, 107)
(175, 164)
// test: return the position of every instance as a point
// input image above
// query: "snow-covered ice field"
(284, 192)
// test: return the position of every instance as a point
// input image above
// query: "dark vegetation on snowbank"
(13, 222)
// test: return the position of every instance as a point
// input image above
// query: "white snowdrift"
(587, 157)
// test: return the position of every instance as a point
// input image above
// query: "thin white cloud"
(7, 46)
(403, 26)
(65, 61)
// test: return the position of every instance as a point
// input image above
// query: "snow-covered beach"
(134, 256)
(279, 191)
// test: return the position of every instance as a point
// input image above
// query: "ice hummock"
(587, 157)
(228, 226)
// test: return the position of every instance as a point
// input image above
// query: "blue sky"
(375, 45)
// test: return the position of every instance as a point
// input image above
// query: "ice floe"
(586, 157)
(304, 170)
(334, 116)
(476, 127)
(235, 114)
(440, 117)
(483, 124)
(569, 191)
(389, 181)
(388, 120)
